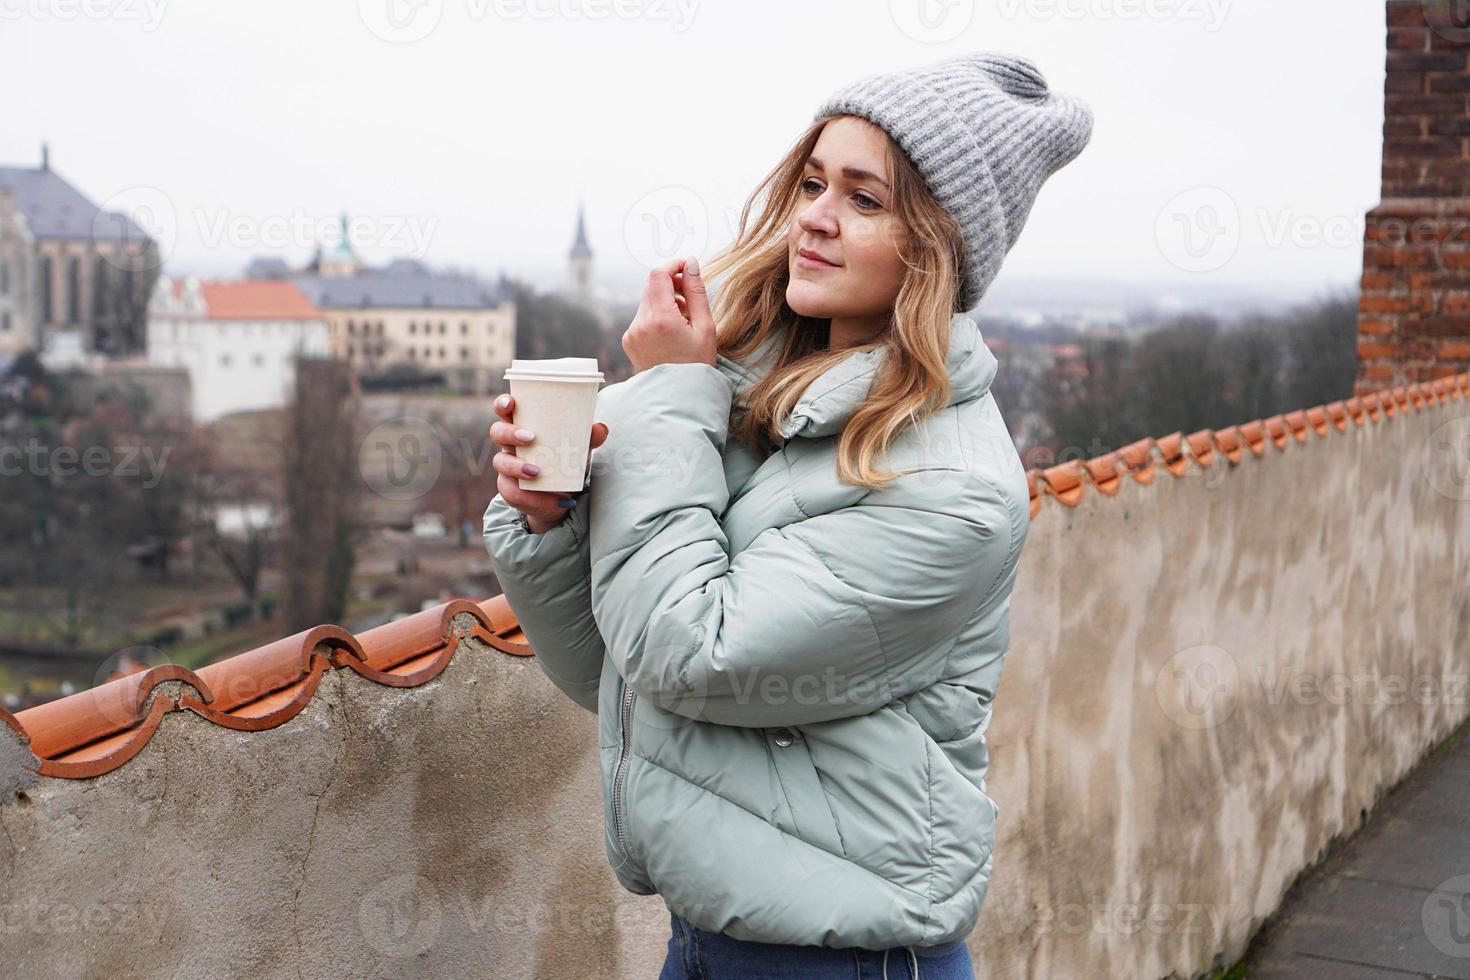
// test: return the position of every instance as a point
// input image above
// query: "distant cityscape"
(85, 290)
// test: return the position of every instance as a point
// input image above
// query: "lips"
(807, 253)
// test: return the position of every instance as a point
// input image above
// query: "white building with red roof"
(238, 339)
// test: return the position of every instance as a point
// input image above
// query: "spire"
(45, 157)
(580, 246)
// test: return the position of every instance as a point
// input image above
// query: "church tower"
(579, 263)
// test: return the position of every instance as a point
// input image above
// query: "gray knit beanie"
(985, 131)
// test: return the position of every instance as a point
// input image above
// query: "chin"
(808, 300)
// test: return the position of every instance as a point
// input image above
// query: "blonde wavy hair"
(751, 305)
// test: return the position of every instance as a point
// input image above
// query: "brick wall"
(1414, 315)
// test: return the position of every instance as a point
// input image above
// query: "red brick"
(1378, 280)
(1377, 372)
(1453, 350)
(1455, 304)
(1434, 61)
(1406, 13)
(1448, 83)
(1424, 105)
(1408, 39)
(1434, 327)
(1396, 304)
(1367, 349)
(1443, 146)
(1449, 127)
(1376, 328)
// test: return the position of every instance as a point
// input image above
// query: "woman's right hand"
(544, 509)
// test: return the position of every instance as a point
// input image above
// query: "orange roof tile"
(262, 299)
(97, 730)
(1176, 452)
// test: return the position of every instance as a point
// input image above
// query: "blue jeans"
(695, 954)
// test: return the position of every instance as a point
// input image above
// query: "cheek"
(873, 251)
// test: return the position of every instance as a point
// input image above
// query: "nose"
(819, 216)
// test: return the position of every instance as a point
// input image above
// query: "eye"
(866, 202)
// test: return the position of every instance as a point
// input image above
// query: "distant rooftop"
(403, 284)
(54, 208)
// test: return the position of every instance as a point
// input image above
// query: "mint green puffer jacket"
(792, 676)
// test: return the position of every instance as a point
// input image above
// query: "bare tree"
(321, 487)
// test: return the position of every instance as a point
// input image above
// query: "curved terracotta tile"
(1171, 453)
(1337, 413)
(1276, 431)
(1138, 458)
(107, 754)
(1296, 423)
(268, 686)
(1064, 481)
(1105, 472)
(9, 719)
(1254, 434)
(67, 724)
(1357, 410)
(506, 634)
(1202, 447)
(1033, 486)
(1230, 442)
(1317, 419)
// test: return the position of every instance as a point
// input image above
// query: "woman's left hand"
(673, 324)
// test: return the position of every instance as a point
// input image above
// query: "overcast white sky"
(465, 131)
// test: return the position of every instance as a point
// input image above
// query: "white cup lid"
(554, 369)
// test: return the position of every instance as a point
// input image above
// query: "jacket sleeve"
(827, 617)
(545, 579)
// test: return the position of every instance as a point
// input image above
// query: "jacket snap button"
(783, 737)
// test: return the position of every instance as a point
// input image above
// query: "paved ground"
(1392, 902)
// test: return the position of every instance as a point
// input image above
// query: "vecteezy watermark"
(1021, 915)
(47, 917)
(1198, 687)
(1364, 687)
(1201, 229)
(131, 219)
(1446, 459)
(1210, 13)
(664, 223)
(1450, 19)
(1202, 686)
(932, 21)
(146, 13)
(37, 459)
(401, 459)
(401, 916)
(299, 229)
(1445, 916)
(409, 21)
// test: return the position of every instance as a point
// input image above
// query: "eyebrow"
(852, 173)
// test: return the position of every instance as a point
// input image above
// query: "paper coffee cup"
(556, 399)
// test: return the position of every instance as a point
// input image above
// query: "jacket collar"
(830, 400)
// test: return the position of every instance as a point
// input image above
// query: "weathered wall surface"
(448, 830)
(1210, 678)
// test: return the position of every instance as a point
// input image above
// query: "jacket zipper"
(627, 715)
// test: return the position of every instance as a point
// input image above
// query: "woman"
(791, 650)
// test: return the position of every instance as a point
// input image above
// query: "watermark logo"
(932, 21)
(1199, 686)
(1446, 459)
(400, 21)
(1445, 916)
(146, 13)
(401, 459)
(130, 219)
(1199, 230)
(664, 223)
(1210, 13)
(1450, 19)
(401, 916)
